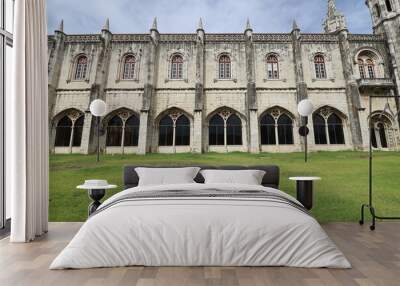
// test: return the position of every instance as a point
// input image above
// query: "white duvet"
(200, 232)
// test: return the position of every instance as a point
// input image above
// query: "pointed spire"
(248, 26)
(154, 26)
(107, 25)
(61, 26)
(332, 7)
(295, 26)
(200, 26)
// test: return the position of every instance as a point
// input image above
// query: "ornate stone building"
(206, 92)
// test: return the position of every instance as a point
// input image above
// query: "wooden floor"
(375, 257)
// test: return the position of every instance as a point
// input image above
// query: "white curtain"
(27, 123)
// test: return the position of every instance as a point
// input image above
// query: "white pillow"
(166, 176)
(246, 177)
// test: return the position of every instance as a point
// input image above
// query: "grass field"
(344, 185)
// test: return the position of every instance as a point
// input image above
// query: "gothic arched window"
(174, 132)
(81, 67)
(69, 132)
(131, 134)
(216, 134)
(381, 130)
(177, 67)
(234, 130)
(122, 132)
(320, 70)
(366, 66)
(276, 130)
(182, 131)
(267, 125)
(285, 130)
(328, 129)
(335, 129)
(129, 67)
(63, 132)
(273, 67)
(224, 67)
(319, 130)
(114, 131)
(224, 131)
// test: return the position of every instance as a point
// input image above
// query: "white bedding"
(200, 232)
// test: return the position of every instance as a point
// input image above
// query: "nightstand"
(96, 190)
(304, 190)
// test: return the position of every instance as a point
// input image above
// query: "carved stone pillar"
(352, 91)
(143, 132)
(97, 90)
(301, 86)
(54, 66)
(145, 129)
(251, 94)
(197, 144)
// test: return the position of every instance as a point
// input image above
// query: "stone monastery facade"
(204, 92)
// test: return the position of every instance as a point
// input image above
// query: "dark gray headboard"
(271, 178)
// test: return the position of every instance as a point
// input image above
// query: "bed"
(198, 224)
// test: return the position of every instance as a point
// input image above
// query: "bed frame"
(271, 177)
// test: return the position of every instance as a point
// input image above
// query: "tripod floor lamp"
(370, 205)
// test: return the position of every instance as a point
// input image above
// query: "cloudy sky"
(135, 16)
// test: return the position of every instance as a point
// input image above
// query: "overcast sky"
(181, 16)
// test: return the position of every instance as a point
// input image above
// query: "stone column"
(143, 129)
(54, 66)
(352, 91)
(145, 132)
(97, 91)
(197, 131)
(197, 144)
(86, 130)
(301, 86)
(251, 94)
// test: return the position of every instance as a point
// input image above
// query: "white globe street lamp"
(98, 108)
(305, 109)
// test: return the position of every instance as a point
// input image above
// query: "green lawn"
(344, 185)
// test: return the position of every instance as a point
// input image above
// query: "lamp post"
(305, 109)
(98, 108)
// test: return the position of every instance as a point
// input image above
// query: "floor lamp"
(305, 109)
(98, 108)
(369, 205)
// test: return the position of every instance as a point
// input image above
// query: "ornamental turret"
(154, 34)
(335, 20)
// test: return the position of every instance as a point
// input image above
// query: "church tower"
(385, 15)
(386, 21)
